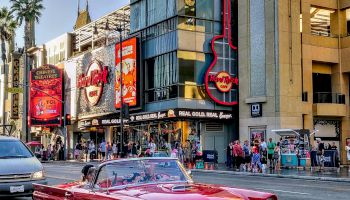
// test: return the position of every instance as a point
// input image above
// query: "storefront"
(94, 83)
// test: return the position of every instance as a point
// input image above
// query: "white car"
(19, 168)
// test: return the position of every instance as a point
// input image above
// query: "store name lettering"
(224, 79)
(213, 115)
(159, 115)
(95, 78)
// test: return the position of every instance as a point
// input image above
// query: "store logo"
(223, 81)
(94, 122)
(93, 82)
(171, 113)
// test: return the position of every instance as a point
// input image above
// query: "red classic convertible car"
(144, 178)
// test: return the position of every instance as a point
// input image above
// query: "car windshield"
(14, 149)
(140, 171)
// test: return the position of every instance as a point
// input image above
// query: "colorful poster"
(46, 96)
(129, 75)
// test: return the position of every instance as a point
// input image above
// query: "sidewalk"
(329, 174)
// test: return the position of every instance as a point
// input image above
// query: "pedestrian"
(115, 150)
(92, 150)
(108, 151)
(76, 151)
(320, 153)
(102, 149)
(152, 146)
(49, 152)
(256, 159)
(347, 149)
(229, 156)
(270, 151)
(277, 156)
(247, 156)
(134, 150)
(237, 155)
(263, 153)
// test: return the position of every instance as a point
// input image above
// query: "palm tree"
(7, 30)
(28, 11)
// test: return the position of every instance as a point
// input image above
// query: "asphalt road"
(286, 189)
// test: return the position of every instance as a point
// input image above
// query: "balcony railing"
(328, 97)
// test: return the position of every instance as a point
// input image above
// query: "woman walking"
(277, 156)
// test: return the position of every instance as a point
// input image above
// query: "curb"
(318, 178)
(71, 162)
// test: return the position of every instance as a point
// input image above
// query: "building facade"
(293, 66)
(176, 52)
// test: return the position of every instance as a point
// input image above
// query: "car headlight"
(38, 175)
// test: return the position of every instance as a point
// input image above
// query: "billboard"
(129, 75)
(46, 96)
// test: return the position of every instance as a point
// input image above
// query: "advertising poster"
(129, 75)
(256, 134)
(46, 96)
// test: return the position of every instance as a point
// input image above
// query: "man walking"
(320, 153)
(103, 150)
(270, 151)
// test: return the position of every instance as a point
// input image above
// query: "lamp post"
(120, 30)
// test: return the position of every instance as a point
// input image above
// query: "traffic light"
(68, 119)
(125, 110)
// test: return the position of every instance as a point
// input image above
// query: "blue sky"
(59, 16)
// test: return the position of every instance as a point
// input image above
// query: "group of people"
(105, 150)
(51, 152)
(253, 158)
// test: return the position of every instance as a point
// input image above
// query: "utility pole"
(25, 102)
(120, 30)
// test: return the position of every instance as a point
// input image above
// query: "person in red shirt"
(237, 155)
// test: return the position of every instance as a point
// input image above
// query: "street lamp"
(120, 30)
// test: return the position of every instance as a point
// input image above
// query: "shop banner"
(46, 96)
(169, 114)
(129, 76)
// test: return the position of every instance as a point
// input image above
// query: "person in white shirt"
(347, 148)
(152, 146)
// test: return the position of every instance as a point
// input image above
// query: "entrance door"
(216, 141)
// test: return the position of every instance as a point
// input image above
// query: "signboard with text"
(46, 96)
(93, 81)
(129, 75)
(15, 87)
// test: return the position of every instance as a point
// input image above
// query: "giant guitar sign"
(221, 78)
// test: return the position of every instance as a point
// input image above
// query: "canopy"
(34, 143)
(286, 132)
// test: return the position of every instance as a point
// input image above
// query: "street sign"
(15, 90)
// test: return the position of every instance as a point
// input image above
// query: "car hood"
(189, 192)
(19, 165)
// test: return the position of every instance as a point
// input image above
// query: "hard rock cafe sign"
(93, 81)
(222, 73)
(223, 81)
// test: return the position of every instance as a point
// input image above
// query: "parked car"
(19, 168)
(143, 178)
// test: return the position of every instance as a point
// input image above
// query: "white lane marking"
(284, 191)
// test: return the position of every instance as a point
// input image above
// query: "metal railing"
(329, 97)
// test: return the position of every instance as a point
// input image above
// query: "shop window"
(256, 134)
(204, 9)
(320, 20)
(348, 21)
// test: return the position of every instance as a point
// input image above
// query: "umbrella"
(34, 143)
